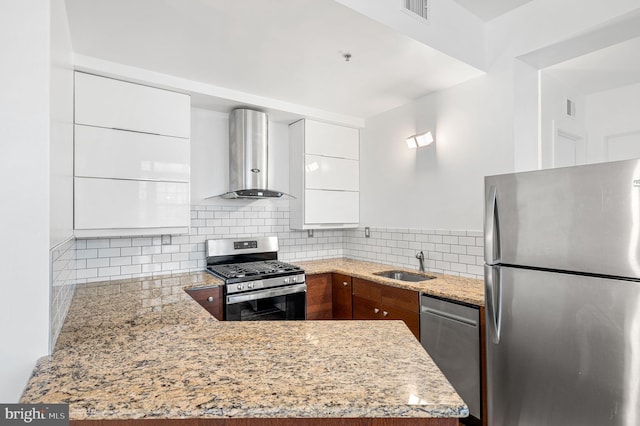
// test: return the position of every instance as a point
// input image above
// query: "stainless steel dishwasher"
(450, 334)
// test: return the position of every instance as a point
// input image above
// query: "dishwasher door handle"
(450, 316)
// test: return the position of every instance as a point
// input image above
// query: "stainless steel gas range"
(256, 285)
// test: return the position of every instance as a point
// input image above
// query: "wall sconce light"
(421, 139)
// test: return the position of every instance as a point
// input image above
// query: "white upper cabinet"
(132, 159)
(331, 173)
(134, 207)
(110, 153)
(115, 104)
(331, 140)
(324, 175)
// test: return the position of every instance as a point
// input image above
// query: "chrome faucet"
(420, 257)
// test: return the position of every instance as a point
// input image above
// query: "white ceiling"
(604, 69)
(282, 49)
(489, 9)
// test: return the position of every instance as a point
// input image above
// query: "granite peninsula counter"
(143, 349)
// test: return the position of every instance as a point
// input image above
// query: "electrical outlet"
(166, 240)
(309, 233)
(367, 232)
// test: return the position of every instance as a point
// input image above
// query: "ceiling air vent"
(418, 7)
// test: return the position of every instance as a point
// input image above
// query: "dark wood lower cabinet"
(211, 298)
(342, 297)
(319, 297)
(377, 301)
(271, 422)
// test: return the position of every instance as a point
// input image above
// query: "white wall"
(613, 124)
(541, 24)
(24, 173)
(483, 127)
(560, 133)
(439, 186)
(61, 126)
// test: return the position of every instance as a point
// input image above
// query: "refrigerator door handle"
(493, 290)
(491, 227)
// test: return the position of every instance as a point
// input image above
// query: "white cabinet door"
(109, 153)
(106, 102)
(331, 207)
(128, 204)
(331, 173)
(331, 140)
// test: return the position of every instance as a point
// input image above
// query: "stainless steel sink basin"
(404, 276)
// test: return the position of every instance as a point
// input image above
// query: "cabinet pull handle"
(210, 299)
(376, 310)
(385, 313)
(344, 283)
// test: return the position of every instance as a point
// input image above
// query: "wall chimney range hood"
(248, 155)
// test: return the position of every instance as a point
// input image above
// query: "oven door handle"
(264, 294)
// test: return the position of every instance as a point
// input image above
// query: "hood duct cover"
(248, 155)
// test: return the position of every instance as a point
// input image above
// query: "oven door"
(272, 304)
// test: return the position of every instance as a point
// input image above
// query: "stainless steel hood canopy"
(248, 155)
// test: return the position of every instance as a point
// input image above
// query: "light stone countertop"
(466, 290)
(144, 349)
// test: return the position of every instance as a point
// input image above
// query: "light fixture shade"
(424, 139)
(411, 142)
(421, 139)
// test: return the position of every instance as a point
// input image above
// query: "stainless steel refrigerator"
(562, 281)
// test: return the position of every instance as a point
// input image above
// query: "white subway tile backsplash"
(151, 250)
(108, 252)
(97, 263)
(62, 284)
(131, 269)
(120, 261)
(451, 251)
(139, 242)
(476, 251)
(120, 242)
(99, 243)
(86, 253)
(467, 241)
(476, 270)
(131, 251)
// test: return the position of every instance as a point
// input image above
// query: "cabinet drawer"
(400, 298)
(331, 140)
(331, 173)
(326, 207)
(366, 309)
(109, 153)
(367, 290)
(106, 102)
(410, 318)
(109, 203)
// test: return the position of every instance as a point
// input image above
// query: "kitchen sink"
(404, 276)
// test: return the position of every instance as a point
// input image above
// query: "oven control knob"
(240, 287)
(249, 285)
(294, 279)
(287, 280)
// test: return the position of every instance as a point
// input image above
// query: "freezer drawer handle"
(493, 299)
(449, 316)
